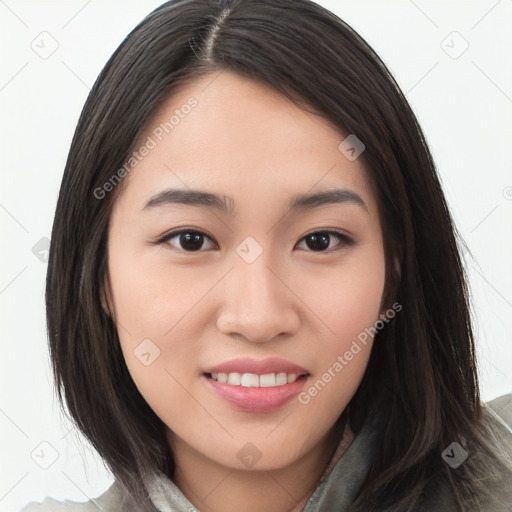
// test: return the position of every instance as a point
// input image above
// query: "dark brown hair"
(422, 368)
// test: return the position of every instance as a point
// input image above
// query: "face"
(255, 284)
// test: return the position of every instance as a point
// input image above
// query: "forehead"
(232, 135)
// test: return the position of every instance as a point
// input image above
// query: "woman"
(255, 294)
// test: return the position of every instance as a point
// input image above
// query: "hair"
(422, 368)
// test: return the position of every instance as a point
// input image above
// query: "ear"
(398, 268)
(106, 297)
(398, 271)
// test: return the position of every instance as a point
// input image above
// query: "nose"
(258, 303)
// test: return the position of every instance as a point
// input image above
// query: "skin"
(201, 308)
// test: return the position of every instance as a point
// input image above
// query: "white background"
(464, 105)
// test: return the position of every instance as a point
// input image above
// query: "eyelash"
(342, 238)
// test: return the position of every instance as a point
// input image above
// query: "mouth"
(249, 385)
(253, 380)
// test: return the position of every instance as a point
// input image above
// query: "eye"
(320, 241)
(192, 240)
(188, 240)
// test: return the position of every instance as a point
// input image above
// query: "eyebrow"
(225, 204)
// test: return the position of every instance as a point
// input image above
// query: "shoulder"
(501, 410)
(498, 419)
(494, 488)
(111, 500)
(498, 415)
(51, 505)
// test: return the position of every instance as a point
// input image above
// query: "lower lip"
(256, 399)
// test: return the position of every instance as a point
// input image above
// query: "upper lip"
(258, 366)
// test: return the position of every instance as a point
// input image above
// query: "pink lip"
(257, 399)
(258, 366)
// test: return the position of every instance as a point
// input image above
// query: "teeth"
(234, 378)
(281, 379)
(222, 377)
(251, 380)
(268, 380)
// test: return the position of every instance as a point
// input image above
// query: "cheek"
(328, 392)
(348, 306)
(149, 300)
(347, 299)
(157, 324)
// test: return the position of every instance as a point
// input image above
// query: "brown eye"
(320, 241)
(193, 240)
(188, 240)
